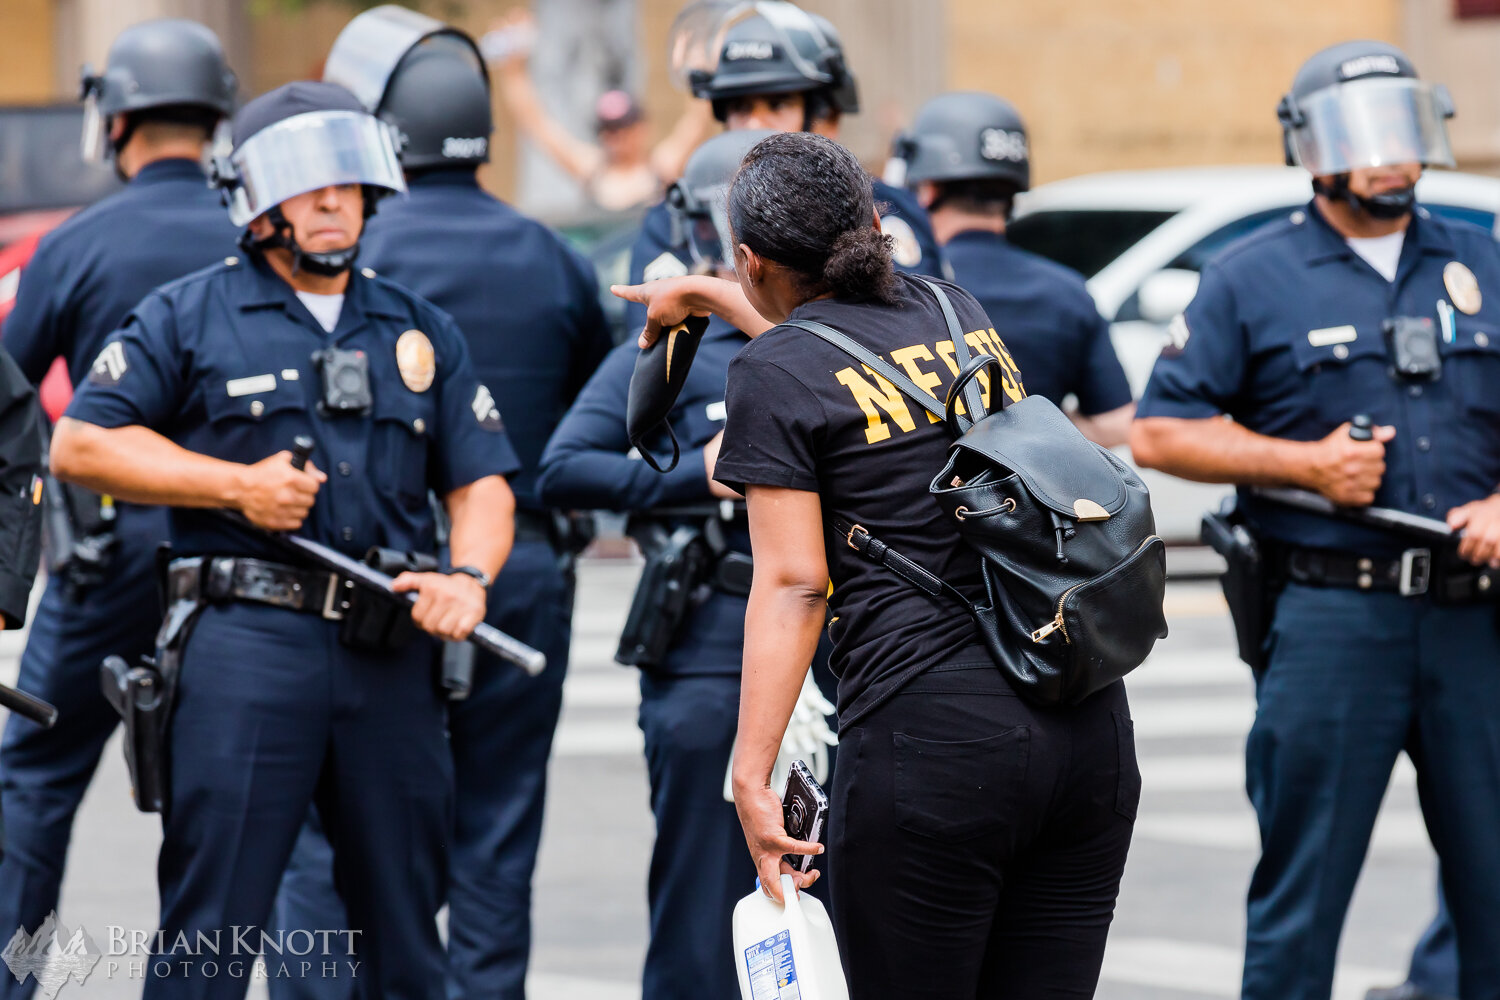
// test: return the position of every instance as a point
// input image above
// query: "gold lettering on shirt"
(907, 358)
(1011, 383)
(887, 397)
(881, 395)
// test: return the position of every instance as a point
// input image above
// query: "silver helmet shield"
(307, 152)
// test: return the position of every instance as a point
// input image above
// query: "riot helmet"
(774, 47)
(424, 77)
(966, 136)
(698, 200)
(303, 137)
(1360, 104)
(171, 69)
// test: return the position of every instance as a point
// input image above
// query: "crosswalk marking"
(1210, 969)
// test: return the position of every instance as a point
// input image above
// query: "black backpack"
(1074, 571)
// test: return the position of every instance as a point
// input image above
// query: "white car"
(1141, 237)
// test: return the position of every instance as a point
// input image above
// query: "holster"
(143, 696)
(80, 535)
(677, 563)
(373, 621)
(1251, 580)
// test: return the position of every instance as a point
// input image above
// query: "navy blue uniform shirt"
(92, 270)
(587, 464)
(1285, 336)
(1046, 318)
(653, 256)
(526, 302)
(221, 362)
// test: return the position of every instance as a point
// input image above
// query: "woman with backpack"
(977, 839)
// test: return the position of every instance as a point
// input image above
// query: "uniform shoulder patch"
(109, 367)
(668, 265)
(485, 410)
(906, 250)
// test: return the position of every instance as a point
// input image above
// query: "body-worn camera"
(345, 377)
(1411, 342)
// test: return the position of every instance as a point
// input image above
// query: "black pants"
(977, 843)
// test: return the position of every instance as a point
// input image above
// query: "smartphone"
(804, 810)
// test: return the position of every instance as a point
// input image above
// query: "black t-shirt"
(804, 415)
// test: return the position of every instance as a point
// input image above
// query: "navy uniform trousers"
(700, 867)
(1434, 961)
(1353, 679)
(501, 738)
(44, 773)
(274, 716)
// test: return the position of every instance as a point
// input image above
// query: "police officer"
(690, 691)
(779, 68)
(22, 440)
(151, 113)
(966, 157)
(528, 307)
(1362, 303)
(282, 701)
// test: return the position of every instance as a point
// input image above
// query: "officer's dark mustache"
(1392, 204)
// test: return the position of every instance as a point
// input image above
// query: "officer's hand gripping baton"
(485, 636)
(1361, 428)
(660, 373)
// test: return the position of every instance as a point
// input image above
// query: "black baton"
(1361, 428)
(485, 635)
(27, 707)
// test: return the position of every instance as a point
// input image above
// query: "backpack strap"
(876, 551)
(874, 362)
(973, 401)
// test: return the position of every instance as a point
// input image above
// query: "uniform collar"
(978, 237)
(174, 169)
(459, 177)
(363, 297)
(1324, 243)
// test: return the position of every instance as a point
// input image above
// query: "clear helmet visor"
(1372, 123)
(311, 151)
(93, 141)
(793, 33)
(703, 217)
(366, 52)
(690, 40)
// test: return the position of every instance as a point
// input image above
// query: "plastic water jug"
(786, 952)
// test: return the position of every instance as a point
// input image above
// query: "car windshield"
(39, 163)
(1084, 239)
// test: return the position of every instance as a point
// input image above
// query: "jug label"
(773, 973)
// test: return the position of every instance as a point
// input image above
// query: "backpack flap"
(1058, 465)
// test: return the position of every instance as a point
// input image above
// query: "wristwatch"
(475, 572)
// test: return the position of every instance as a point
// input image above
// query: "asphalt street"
(1177, 934)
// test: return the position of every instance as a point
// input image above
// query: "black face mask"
(329, 263)
(1387, 205)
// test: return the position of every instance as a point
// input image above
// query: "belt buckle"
(1416, 572)
(331, 610)
(849, 538)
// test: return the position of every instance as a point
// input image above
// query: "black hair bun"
(859, 266)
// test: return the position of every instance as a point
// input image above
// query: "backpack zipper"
(1057, 624)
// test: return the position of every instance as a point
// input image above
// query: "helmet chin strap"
(329, 263)
(1387, 205)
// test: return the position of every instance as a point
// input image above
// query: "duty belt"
(218, 579)
(1411, 574)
